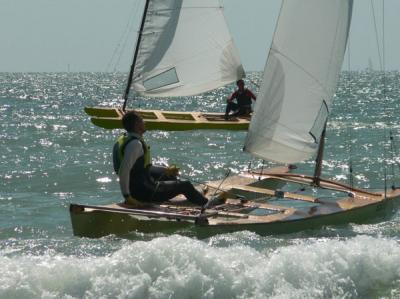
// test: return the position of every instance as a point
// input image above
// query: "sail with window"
(183, 48)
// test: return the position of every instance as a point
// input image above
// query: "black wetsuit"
(243, 105)
(158, 187)
(150, 183)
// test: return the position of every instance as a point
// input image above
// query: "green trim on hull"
(102, 111)
(116, 123)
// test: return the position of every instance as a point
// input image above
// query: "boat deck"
(111, 118)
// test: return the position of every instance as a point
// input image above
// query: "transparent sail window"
(163, 79)
(319, 123)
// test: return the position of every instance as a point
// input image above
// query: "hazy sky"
(82, 35)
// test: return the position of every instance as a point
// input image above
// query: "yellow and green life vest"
(119, 151)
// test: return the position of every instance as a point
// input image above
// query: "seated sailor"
(139, 180)
(243, 97)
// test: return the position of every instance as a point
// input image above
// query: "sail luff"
(299, 79)
(132, 69)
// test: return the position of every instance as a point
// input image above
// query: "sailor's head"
(240, 83)
(133, 122)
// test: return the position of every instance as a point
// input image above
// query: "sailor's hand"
(172, 171)
(133, 202)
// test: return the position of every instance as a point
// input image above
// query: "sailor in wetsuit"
(243, 97)
(139, 180)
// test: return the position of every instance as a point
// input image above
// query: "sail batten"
(299, 80)
(185, 49)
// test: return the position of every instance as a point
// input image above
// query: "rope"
(385, 175)
(385, 98)
(228, 172)
(392, 164)
(385, 159)
(376, 35)
(382, 62)
(123, 39)
(351, 178)
(383, 45)
(218, 188)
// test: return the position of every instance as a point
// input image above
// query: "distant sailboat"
(183, 48)
(288, 126)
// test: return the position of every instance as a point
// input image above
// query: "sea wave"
(181, 267)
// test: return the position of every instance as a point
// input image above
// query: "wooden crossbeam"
(274, 193)
(251, 204)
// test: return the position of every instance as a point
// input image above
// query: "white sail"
(299, 80)
(186, 49)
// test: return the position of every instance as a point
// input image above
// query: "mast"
(318, 161)
(130, 77)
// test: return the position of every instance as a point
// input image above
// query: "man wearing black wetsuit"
(243, 97)
(142, 182)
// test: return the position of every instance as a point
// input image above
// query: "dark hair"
(130, 119)
(240, 81)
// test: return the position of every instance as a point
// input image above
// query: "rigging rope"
(382, 62)
(376, 35)
(392, 164)
(393, 151)
(121, 45)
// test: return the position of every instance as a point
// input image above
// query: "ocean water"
(51, 156)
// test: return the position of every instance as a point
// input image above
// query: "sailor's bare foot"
(223, 195)
(133, 203)
(205, 190)
(216, 200)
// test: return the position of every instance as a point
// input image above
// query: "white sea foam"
(180, 267)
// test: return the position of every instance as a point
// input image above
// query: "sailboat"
(288, 126)
(183, 48)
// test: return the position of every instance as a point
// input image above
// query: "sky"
(99, 35)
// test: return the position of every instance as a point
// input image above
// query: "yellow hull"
(110, 118)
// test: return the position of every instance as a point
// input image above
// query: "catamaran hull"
(111, 118)
(368, 214)
(96, 223)
(253, 201)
